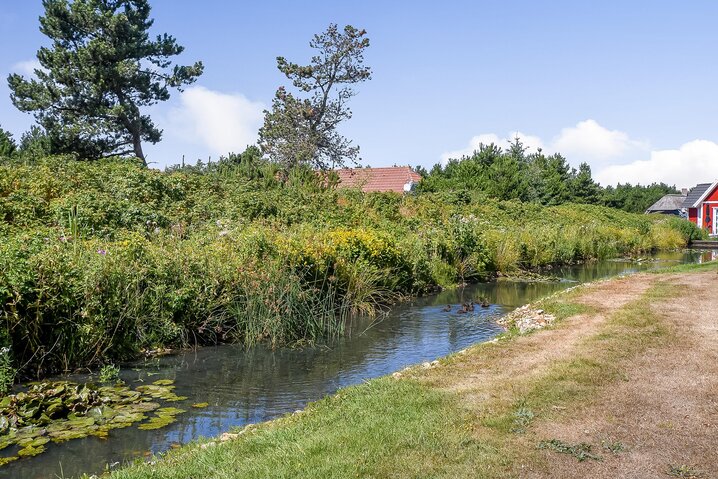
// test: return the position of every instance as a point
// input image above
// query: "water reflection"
(249, 386)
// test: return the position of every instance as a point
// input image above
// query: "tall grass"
(101, 260)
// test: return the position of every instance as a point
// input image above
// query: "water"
(246, 386)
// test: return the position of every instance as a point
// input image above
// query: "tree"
(7, 144)
(304, 131)
(583, 188)
(35, 143)
(101, 69)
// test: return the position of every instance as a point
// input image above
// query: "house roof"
(696, 194)
(378, 179)
(668, 203)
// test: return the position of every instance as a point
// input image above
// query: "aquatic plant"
(109, 372)
(62, 411)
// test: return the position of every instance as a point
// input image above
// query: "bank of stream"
(242, 386)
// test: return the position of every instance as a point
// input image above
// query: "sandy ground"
(478, 378)
(666, 412)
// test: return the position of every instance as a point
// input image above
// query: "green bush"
(101, 260)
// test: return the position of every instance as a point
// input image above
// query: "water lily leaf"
(169, 411)
(58, 426)
(175, 398)
(66, 435)
(54, 407)
(81, 422)
(139, 407)
(5, 442)
(200, 405)
(157, 422)
(30, 451)
(163, 382)
(29, 432)
(7, 460)
(33, 442)
(128, 417)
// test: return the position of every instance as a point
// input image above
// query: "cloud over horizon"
(595, 144)
(219, 122)
(615, 157)
(692, 163)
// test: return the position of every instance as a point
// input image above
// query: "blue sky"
(630, 87)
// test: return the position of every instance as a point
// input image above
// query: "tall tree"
(101, 69)
(583, 188)
(7, 144)
(304, 131)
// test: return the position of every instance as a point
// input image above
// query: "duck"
(446, 308)
(485, 303)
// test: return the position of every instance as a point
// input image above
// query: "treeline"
(537, 178)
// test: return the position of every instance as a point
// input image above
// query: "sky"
(629, 87)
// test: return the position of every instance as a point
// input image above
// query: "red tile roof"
(377, 179)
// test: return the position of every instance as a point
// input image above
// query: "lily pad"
(33, 441)
(157, 422)
(62, 436)
(61, 411)
(200, 405)
(7, 460)
(163, 382)
(169, 411)
(30, 451)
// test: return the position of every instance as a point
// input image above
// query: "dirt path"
(663, 413)
(666, 411)
(478, 374)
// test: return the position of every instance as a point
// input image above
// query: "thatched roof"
(667, 203)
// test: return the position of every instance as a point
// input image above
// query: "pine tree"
(100, 71)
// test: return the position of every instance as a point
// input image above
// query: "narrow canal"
(248, 386)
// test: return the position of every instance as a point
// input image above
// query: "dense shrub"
(101, 260)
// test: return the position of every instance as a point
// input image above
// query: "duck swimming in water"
(485, 303)
(446, 308)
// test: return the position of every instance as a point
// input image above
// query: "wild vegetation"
(100, 260)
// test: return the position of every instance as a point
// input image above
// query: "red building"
(702, 205)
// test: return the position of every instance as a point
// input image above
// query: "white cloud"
(220, 122)
(694, 162)
(591, 142)
(26, 68)
(532, 143)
